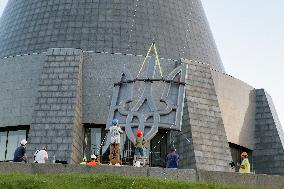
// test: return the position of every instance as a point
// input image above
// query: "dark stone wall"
(58, 110)
(268, 155)
(202, 142)
(179, 28)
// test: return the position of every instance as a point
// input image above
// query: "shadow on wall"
(244, 133)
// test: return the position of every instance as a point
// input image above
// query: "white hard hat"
(23, 142)
(93, 156)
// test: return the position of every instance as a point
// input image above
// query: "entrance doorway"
(93, 141)
(236, 151)
(97, 141)
(159, 149)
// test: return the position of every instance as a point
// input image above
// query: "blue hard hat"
(115, 121)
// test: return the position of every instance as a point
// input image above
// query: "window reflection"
(95, 140)
(14, 139)
(9, 141)
(3, 139)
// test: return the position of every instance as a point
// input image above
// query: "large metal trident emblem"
(143, 111)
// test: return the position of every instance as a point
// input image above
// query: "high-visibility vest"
(92, 163)
(245, 166)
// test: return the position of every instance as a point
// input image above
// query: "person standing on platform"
(139, 144)
(172, 158)
(245, 166)
(115, 132)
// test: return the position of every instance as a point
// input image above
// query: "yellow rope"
(157, 59)
(145, 59)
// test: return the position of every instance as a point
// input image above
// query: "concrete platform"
(266, 181)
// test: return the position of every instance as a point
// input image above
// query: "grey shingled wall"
(57, 114)
(203, 143)
(19, 79)
(128, 26)
(268, 155)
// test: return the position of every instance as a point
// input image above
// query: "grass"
(91, 181)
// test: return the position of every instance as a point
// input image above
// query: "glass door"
(97, 141)
(93, 140)
(126, 150)
(159, 150)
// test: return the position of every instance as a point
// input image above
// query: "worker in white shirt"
(115, 132)
(41, 156)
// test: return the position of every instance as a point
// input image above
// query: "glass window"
(14, 139)
(3, 140)
(10, 139)
(106, 144)
(159, 149)
(96, 135)
(95, 140)
(127, 150)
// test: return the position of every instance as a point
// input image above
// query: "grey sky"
(2, 5)
(250, 39)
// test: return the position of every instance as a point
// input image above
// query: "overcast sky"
(250, 38)
(2, 5)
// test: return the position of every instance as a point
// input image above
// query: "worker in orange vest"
(93, 160)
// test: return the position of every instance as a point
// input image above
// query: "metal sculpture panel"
(143, 111)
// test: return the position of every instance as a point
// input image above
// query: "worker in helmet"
(115, 132)
(93, 160)
(139, 144)
(20, 153)
(245, 166)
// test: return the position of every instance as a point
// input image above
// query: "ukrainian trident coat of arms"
(143, 111)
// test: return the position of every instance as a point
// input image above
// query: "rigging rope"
(157, 61)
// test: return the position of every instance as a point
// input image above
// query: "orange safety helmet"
(139, 133)
(244, 155)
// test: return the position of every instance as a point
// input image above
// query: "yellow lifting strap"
(157, 60)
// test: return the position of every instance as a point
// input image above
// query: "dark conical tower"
(179, 28)
(69, 67)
